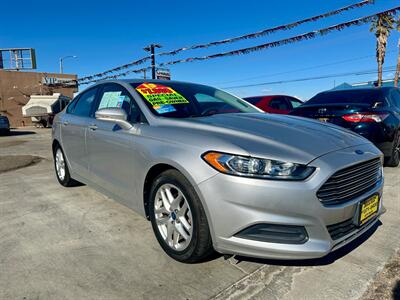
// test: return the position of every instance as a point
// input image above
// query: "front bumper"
(235, 203)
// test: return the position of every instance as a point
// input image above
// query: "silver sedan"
(212, 172)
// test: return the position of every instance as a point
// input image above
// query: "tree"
(396, 75)
(382, 25)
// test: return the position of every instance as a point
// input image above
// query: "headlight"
(256, 167)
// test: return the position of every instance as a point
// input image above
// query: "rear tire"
(61, 168)
(192, 245)
(394, 159)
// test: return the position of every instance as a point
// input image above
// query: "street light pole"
(62, 59)
(151, 48)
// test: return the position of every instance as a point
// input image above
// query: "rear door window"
(84, 105)
(368, 96)
(294, 102)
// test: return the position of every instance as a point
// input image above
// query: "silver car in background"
(212, 172)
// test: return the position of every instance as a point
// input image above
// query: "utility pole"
(62, 60)
(397, 73)
(150, 49)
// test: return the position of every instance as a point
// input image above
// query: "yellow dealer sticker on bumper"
(158, 94)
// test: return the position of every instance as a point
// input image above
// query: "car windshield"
(185, 100)
(347, 96)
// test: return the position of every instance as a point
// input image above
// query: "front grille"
(342, 229)
(349, 183)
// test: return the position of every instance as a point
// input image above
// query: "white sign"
(163, 74)
(56, 80)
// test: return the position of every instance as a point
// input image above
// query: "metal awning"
(42, 105)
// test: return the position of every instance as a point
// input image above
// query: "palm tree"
(396, 75)
(381, 25)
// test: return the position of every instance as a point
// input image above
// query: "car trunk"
(332, 113)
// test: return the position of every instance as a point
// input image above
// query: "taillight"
(365, 117)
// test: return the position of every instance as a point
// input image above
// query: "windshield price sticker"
(158, 94)
(163, 109)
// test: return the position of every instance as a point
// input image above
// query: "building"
(16, 87)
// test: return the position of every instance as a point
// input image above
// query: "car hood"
(272, 136)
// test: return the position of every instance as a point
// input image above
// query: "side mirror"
(113, 114)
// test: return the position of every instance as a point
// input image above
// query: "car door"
(111, 148)
(395, 96)
(74, 126)
(279, 105)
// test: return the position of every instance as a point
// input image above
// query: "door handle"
(92, 127)
(65, 123)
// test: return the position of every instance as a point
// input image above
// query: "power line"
(357, 73)
(302, 69)
(270, 30)
(293, 39)
(116, 69)
(247, 36)
(117, 75)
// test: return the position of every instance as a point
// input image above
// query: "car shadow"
(396, 291)
(326, 260)
(19, 132)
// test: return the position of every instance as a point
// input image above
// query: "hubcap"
(397, 148)
(173, 217)
(60, 164)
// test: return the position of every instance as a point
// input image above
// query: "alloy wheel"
(397, 147)
(60, 164)
(173, 217)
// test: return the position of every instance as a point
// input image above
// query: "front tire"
(394, 159)
(178, 218)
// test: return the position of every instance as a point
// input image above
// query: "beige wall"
(13, 86)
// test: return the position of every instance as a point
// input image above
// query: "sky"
(104, 35)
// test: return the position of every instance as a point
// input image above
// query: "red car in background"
(276, 104)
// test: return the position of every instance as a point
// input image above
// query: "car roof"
(263, 96)
(369, 89)
(271, 96)
(149, 81)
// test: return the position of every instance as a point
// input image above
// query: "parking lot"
(74, 243)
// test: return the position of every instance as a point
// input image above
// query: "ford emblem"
(359, 152)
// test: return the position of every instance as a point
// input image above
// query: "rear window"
(351, 96)
(184, 100)
(253, 100)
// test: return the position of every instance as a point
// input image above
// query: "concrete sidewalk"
(74, 243)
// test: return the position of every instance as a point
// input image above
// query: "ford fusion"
(213, 172)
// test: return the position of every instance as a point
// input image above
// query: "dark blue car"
(4, 125)
(371, 112)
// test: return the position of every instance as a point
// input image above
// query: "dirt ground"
(386, 285)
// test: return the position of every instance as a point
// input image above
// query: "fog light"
(271, 233)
